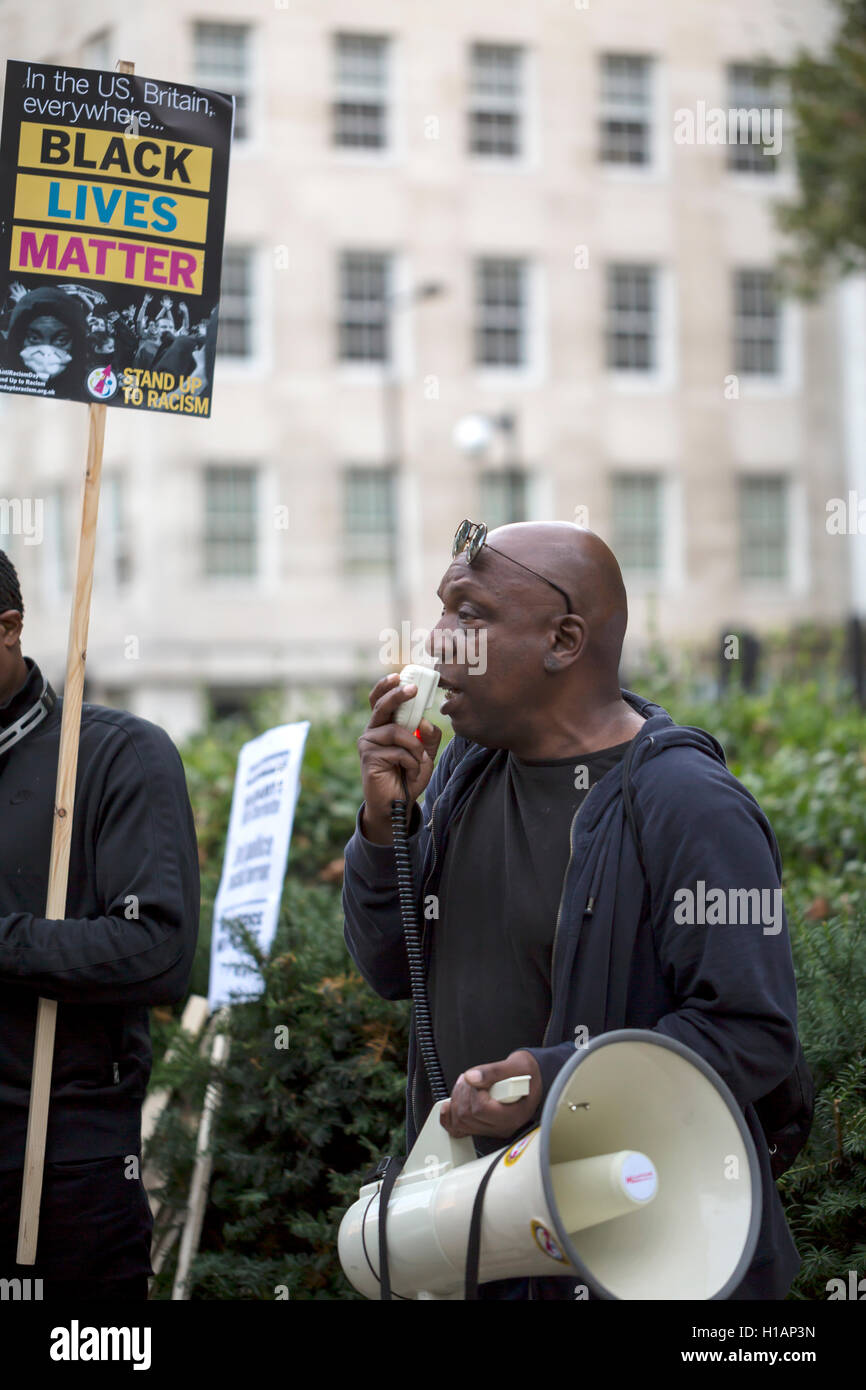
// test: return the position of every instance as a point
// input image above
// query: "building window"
(632, 318)
(231, 522)
(57, 576)
(235, 318)
(503, 497)
(234, 702)
(764, 528)
(365, 286)
(637, 522)
(96, 51)
(496, 100)
(626, 109)
(368, 519)
(361, 104)
(113, 542)
(757, 323)
(222, 61)
(500, 313)
(753, 97)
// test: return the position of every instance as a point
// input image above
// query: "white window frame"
(254, 142)
(772, 166)
(114, 535)
(57, 555)
(234, 583)
(524, 105)
(394, 149)
(647, 578)
(658, 163)
(531, 371)
(670, 577)
(767, 585)
(788, 380)
(96, 50)
(662, 376)
(260, 359)
(384, 570)
(399, 315)
(512, 471)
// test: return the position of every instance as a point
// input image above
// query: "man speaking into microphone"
(127, 942)
(558, 909)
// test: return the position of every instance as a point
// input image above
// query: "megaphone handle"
(511, 1089)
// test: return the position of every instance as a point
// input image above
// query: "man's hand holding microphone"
(385, 747)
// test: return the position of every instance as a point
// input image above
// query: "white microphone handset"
(411, 712)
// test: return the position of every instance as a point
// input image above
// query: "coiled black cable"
(423, 1025)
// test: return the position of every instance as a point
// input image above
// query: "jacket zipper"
(559, 912)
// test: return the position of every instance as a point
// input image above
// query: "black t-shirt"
(489, 980)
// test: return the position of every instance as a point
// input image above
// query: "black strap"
(392, 1169)
(473, 1248)
(622, 943)
(629, 808)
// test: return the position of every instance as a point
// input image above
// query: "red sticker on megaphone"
(517, 1149)
(544, 1240)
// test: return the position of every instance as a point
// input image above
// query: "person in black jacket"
(126, 943)
(539, 925)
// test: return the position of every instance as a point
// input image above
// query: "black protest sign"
(112, 212)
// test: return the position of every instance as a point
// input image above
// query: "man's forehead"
(460, 572)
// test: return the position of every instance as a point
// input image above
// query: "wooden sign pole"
(61, 839)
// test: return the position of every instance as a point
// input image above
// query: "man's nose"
(435, 642)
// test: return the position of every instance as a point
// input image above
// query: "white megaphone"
(642, 1182)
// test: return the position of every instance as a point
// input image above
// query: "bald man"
(546, 928)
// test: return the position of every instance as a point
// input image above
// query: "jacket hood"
(659, 733)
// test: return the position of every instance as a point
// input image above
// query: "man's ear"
(11, 624)
(569, 643)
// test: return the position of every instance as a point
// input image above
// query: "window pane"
(503, 497)
(368, 519)
(753, 95)
(231, 521)
(631, 318)
(637, 522)
(764, 528)
(222, 61)
(496, 100)
(235, 324)
(361, 86)
(757, 343)
(364, 289)
(626, 109)
(500, 310)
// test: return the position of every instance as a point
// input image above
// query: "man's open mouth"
(450, 692)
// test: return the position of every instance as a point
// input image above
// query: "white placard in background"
(257, 848)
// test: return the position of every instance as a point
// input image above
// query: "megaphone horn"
(641, 1181)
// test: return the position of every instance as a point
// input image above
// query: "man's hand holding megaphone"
(470, 1109)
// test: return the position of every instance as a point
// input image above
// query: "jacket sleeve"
(373, 926)
(727, 963)
(146, 877)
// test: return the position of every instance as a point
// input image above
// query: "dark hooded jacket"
(128, 937)
(726, 991)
